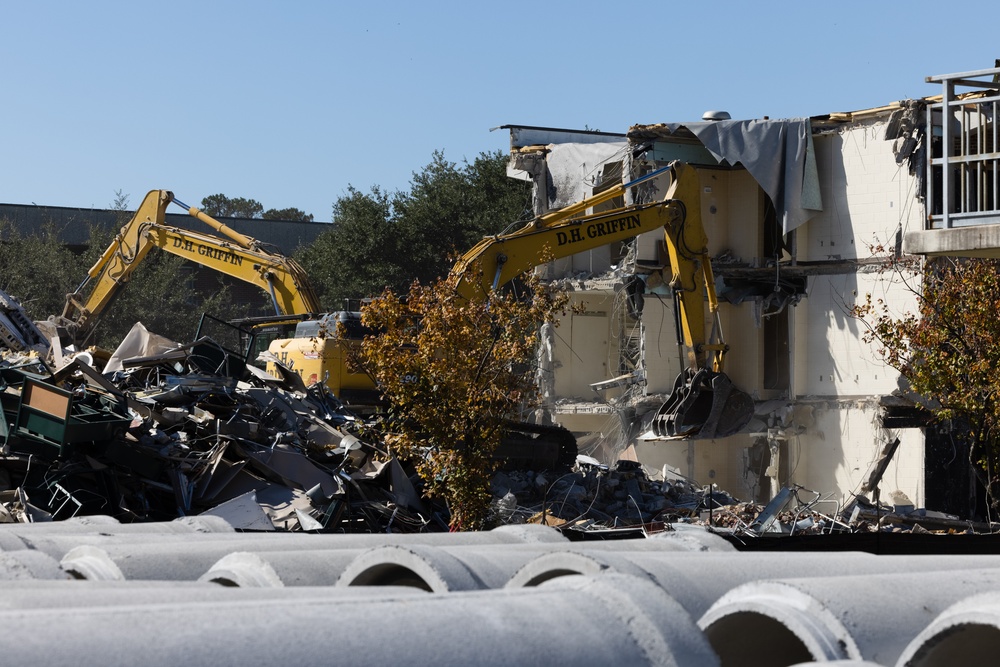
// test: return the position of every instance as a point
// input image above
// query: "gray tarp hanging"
(779, 154)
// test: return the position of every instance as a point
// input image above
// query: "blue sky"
(290, 103)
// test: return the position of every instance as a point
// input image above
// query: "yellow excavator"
(237, 255)
(704, 403)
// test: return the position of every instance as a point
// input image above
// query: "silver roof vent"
(716, 115)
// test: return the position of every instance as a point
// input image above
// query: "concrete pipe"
(967, 633)
(579, 621)
(58, 546)
(868, 617)
(697, 580)
(43, 594)
(280, 568)
(468, 567)
(107, 525)
(686, 537)
(427, 568)
(27, 564)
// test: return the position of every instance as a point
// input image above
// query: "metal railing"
(963, 166)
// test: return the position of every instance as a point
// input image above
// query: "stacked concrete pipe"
(966, 633)
(697, 580)
(577, 620)
(106, 525)
(469, 567)
(177, 557)
(48, 594)
(860, 617)
(57, 542)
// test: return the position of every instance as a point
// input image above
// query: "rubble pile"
(166, 430)
(597, 495)
(190, 430)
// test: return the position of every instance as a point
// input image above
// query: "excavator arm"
(704, 403)
(240, 256)
(496, 260)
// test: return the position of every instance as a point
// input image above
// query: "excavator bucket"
(703, 404)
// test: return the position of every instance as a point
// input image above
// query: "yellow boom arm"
(242, 257)
(498, 259)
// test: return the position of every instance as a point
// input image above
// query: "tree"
(948, 351)
(449, 209)
(453, 371)
(38, 268)
(380, 239)
(221, 206)
(359, 255)
(287, 214)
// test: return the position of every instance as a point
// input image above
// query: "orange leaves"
(453, 371)
(949, 351)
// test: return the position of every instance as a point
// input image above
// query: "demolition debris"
(166, 430)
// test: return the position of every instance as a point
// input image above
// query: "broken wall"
(834, 378)
(869, 198)
(583, 345)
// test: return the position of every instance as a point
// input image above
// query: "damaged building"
(800, 216)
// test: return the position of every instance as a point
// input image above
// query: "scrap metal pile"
(186, 430)
(165, 430)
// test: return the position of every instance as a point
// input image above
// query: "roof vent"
(716, 115)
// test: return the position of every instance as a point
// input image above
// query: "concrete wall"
(866, 195)
(838, 449)
(584, 349)
(866, 198)
(830, 358)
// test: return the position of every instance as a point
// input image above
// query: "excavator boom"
(241, 257)
(704, 402)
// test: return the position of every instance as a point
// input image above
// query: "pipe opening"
(748, 639)
(223, 580)
(548, 575)
(390, 574)
(965, 644)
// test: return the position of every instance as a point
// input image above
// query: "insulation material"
(575, 169)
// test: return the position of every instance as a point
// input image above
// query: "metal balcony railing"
(963, 166)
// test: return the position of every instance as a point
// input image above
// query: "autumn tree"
(453, 371)
(949, 349)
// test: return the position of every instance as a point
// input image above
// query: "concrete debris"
(166, 430)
